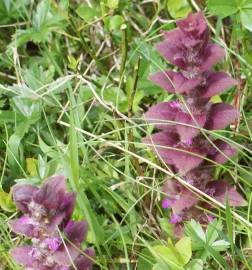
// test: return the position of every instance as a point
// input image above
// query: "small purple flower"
(175, 104)
(175, 218)
(188, 142)
(53, 243)
(210, 218)
(48, 209)
(167, 203)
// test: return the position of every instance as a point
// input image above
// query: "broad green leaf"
(246, 17)
(146, 260)
(117, 97)
(226, 8)
(137, 99)
(112, 3)
(88, 13)
(72, 62)
(223, 8)
(195, 264)
(41, 14)
(6, 202)
(196, 227)
(220, 245)
(115, 22)
(178, 8)
(216, 99)
(9, 117)
(166, 226)
(7, 4)
(31, 165)
(161, 266)
(184, 247)
(213, 230)
(169, 255)
(48, 150)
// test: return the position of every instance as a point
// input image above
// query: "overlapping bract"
(55, 238)
(180, 142)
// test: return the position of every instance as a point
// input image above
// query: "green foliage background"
(73, 88)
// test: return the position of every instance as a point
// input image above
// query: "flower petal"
(52, 192)
(223, 189)
(221, 115)
(161, 114)
(163, 144)
(186, 159)
(174, 82)
(194, 25)
(67, 205)
(65, 256)
(222, 155)
(22, 256)
(76, 231)
(212, 54)
(23, 225)
(173, 52)
(83, 262)
(63, 212)
(216, 83)
(187, 199)
(187, 132)
(22, 196)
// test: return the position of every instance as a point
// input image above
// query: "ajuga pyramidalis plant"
(55, 240)
(180, 143)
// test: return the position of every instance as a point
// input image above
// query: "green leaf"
(220, 245)
(115, 22)
(216, 99)
(195, 264)
(112, 4)
(47, 150)
(246, 17)
(197, 229)
(213, 230)
(168, 255)
(160, 266)
(146, 260)
(184, 247)
(117, 97)
(178, 8)
(226, 8)
(14, 151)
(31, 165)
(9, 117)
(88, 13)
(6, 201)
(223, 8)
(230, 224)
(166, 227)
(42, 167)
(73, 63)
(41, 14)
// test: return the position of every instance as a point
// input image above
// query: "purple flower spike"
(179, 143)
(47, 209)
